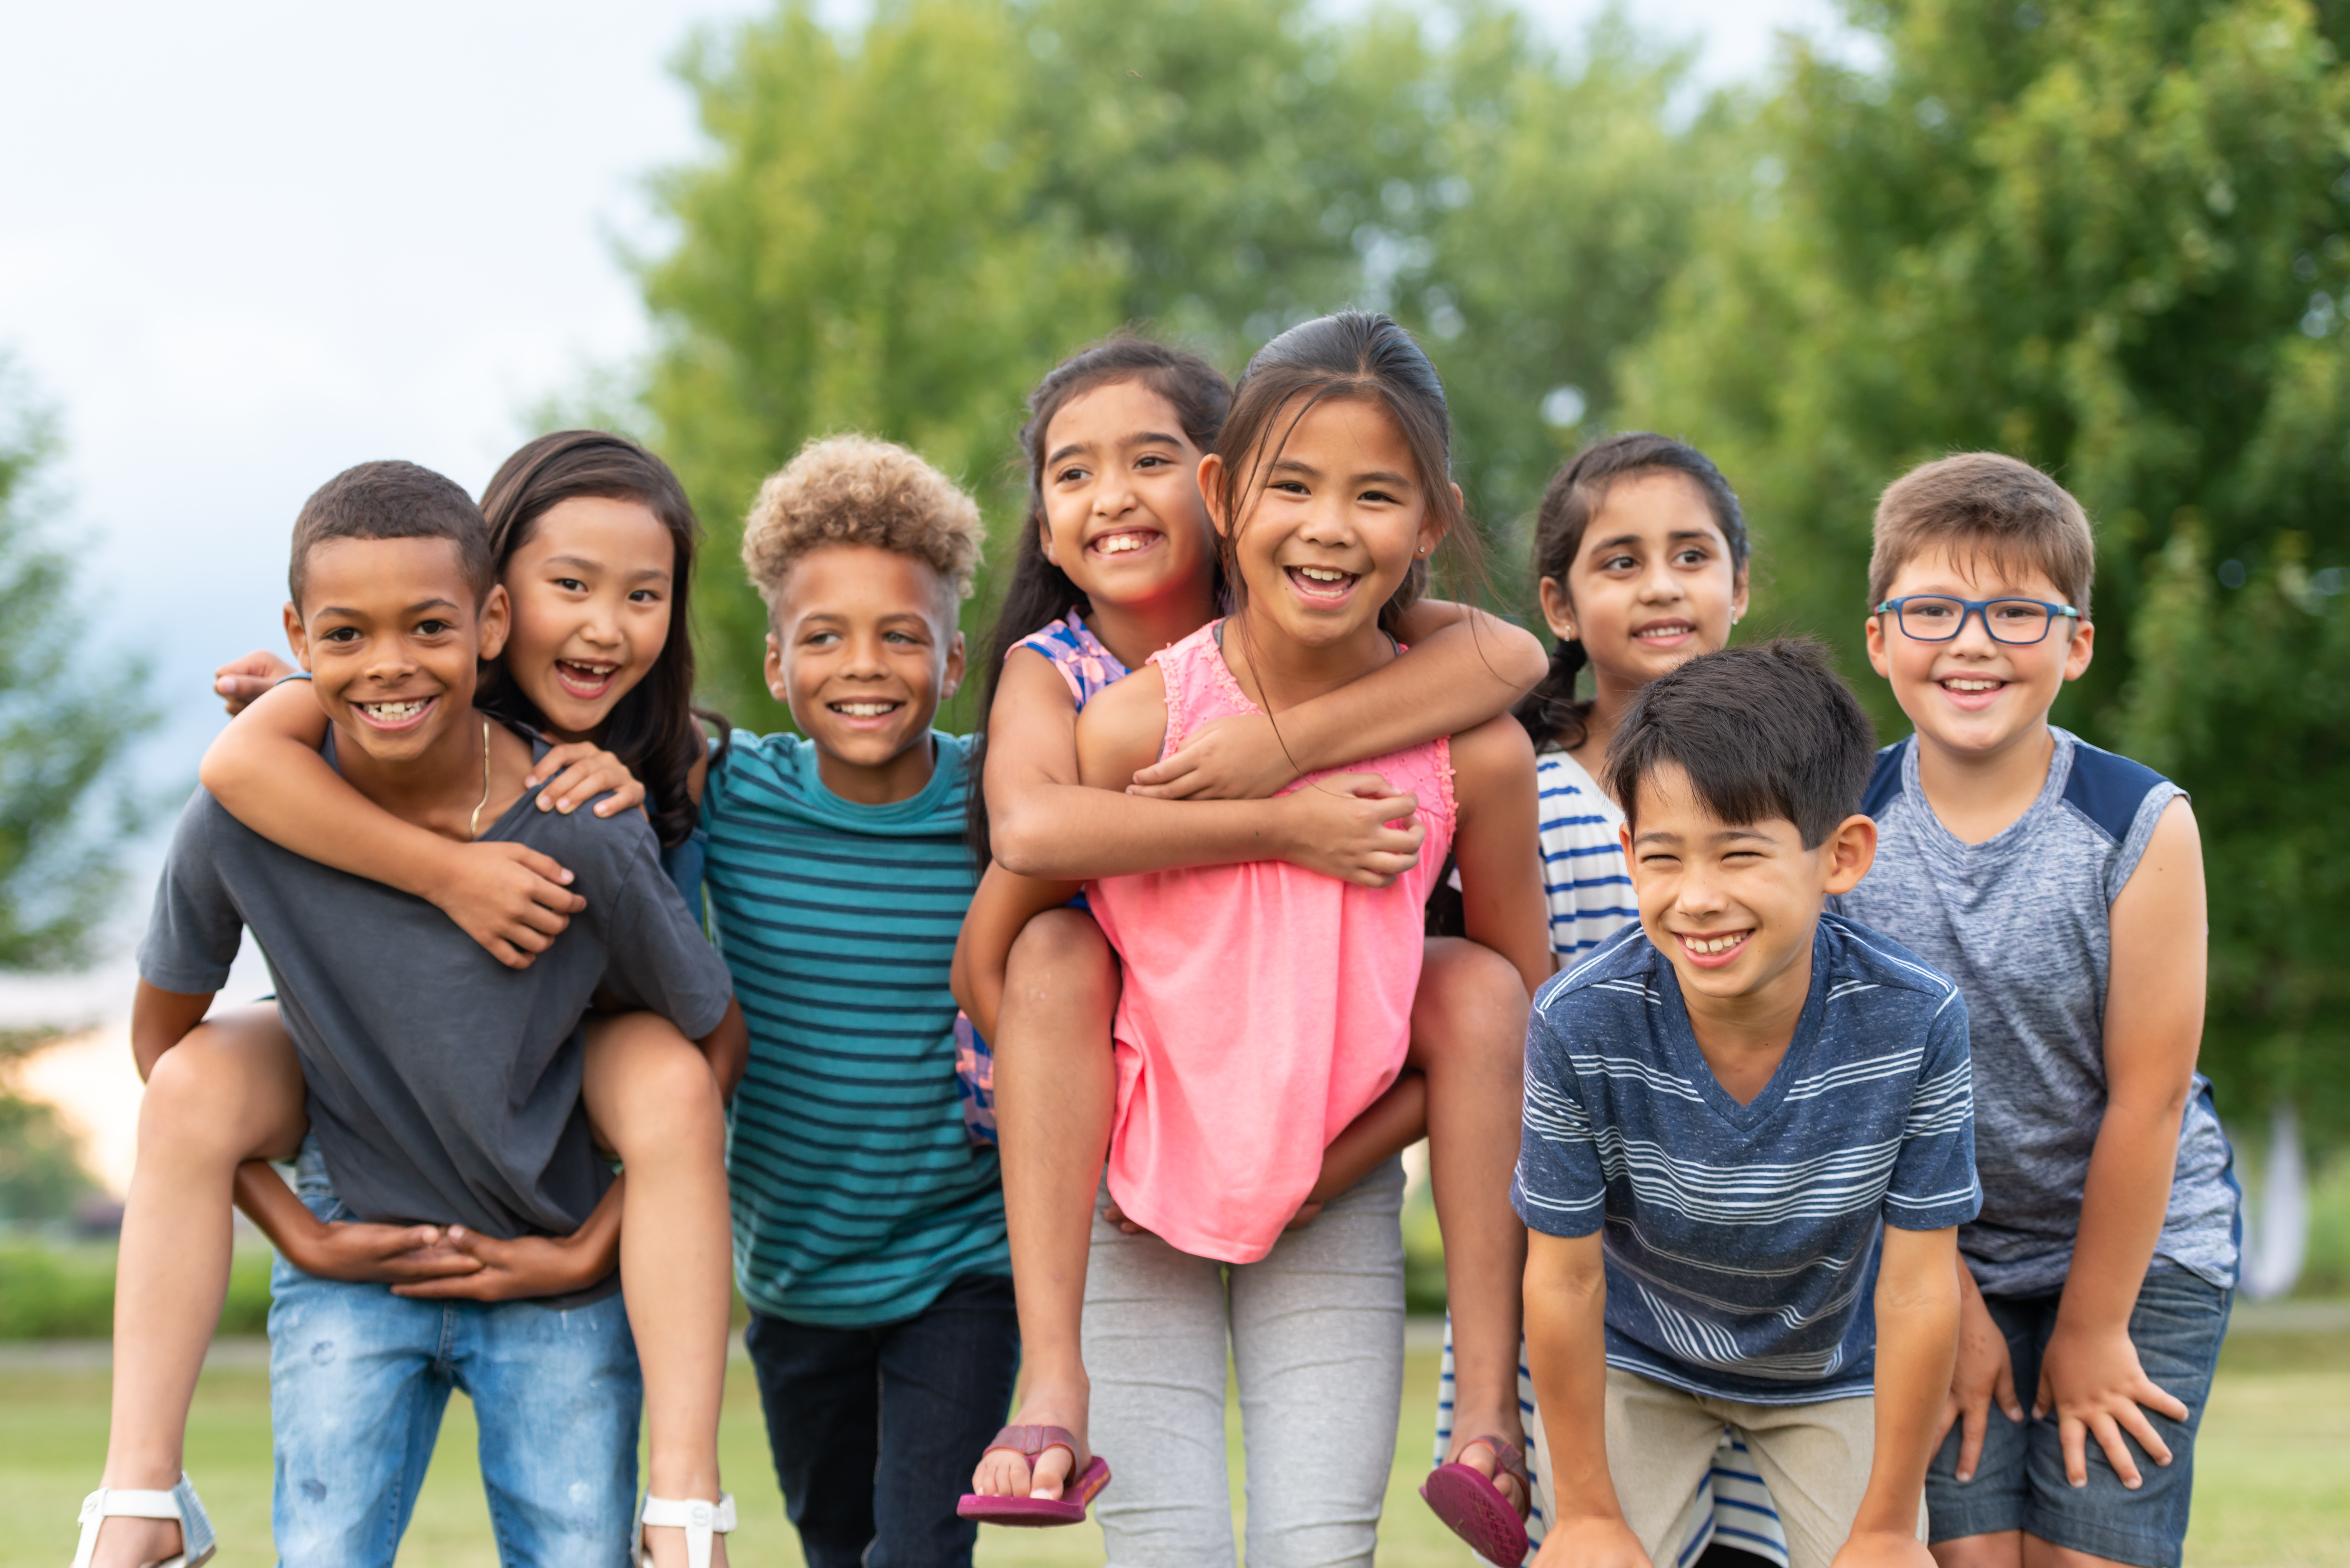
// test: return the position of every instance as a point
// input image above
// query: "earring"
(1568, 634)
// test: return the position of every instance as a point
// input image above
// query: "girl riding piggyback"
(1265, 1006)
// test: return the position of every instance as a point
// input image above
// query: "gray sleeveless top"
(2019, 921)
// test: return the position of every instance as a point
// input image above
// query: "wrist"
(433, 877)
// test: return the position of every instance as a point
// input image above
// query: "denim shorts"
(358, 1379)
(2177, 1326)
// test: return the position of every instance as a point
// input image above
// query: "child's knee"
(197, 1104)
(1060, 948)
(657, 1094)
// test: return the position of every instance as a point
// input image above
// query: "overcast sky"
(244, 245)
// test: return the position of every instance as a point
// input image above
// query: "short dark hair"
(1765, 730)
(392, 501)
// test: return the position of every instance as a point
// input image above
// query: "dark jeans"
(876, 1431)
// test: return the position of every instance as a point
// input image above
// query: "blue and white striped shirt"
(1743, 1241)
(1584, 877)
(858, 1195)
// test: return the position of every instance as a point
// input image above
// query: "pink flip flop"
(1474, 1508)
(1035, 1512)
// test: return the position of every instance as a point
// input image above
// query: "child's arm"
(727, 1048)
(2090, 1375)
(1917, 1342)
(1045, 825)
(266, 770)
(1497, 844)
(1004, 905)
(530, 1265)
(1567, 1350)
(1464, 667)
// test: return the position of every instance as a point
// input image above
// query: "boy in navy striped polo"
(2061, 886)
(1749, 1143)
(869, 1226)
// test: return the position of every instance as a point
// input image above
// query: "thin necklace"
(474, 827)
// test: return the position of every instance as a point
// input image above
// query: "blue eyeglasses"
(1937, 618)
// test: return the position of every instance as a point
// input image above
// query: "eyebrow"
(582, 561)
(1660, 836)
(1141, 438)
(417, 608)
(1374, 476)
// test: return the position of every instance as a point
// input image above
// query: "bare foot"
(127, 1542)
(1004, 1473)
(1473, 1445)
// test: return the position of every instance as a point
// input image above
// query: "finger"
(506, 953)
(2071, 1437)
(2117, 1454)
(2004, 1392)
(529, 939)
(480, 1286)
(2154, 1396)
(625, 796)
(547, 921)
(2133, 1421)
(1183, 788)
(557, 760)
(546, 866)
(1167, 770)
(2043, 1399)
(420, 1271)
(1970, 1439)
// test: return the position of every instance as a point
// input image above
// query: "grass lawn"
(2270, 1489)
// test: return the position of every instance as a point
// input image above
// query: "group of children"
(1789, 1102)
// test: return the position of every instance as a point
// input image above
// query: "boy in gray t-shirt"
(2062, 888)
(442, 1089)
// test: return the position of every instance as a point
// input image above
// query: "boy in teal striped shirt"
(869, 1226)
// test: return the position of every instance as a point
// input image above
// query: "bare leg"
(651, 1098)
(229, 1091)
(1055, 1088)
(1997, 1549)
(2039, 1553)
(1468, 1035)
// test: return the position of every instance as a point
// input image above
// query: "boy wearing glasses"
(2061, 888)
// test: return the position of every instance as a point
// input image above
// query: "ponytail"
(1550, 712)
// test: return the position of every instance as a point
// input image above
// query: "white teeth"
(1710, 945)
(864, 709)
(1973, 685)
(393, 713)
(1665, 631)
(1321, 575)
(1119, 543)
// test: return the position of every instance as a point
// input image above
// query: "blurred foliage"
(2106, 238)
(68, 1293)
(41, 1174)
(64, 724)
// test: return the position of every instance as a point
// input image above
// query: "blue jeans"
(876, 1431)
(359, 1378)
(2177, 1325)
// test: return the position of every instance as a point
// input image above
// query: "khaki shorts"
(1814, 1458)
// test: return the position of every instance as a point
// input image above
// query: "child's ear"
(1045, 541)
(1211, 489)
(496, 620)
(296, 636)
(1559, 611)
(954, 671)
(1738, 599)
(775, 684)
(1850, 852)
(1879, 658)
(2082, 646)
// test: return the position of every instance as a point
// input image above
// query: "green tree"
(64, 724)
(899, 229)
(2106, 238)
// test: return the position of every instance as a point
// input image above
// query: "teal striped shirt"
(858, 1196)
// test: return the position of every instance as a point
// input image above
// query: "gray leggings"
(1315, 1335)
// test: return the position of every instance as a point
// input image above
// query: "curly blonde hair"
(856, 490)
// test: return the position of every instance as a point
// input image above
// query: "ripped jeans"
(359, 1378)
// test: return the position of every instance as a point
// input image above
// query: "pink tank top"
(1265, 1006)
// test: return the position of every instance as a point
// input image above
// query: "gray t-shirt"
(444, 1087)
(2020, 921)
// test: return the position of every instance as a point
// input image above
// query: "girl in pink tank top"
(1265, 1007)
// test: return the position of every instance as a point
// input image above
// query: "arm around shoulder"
(1497, 843)
(1122, 731)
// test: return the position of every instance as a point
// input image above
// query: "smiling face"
(1734, 905)
(390, 633)
(1973, 696)
(864, 649)
(1123, 516)
(1653, 584)
(592, 588)
(1334, 522)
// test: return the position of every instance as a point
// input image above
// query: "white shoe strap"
(121, 1502)
(699, 1518)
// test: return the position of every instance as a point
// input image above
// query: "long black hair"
(1039, 593)
(652, 728)
(1550, 712)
